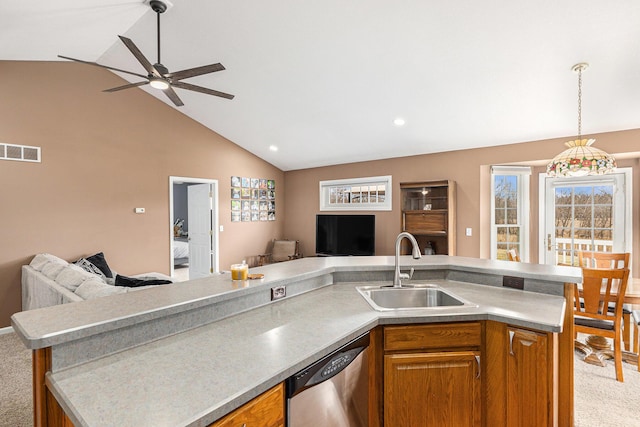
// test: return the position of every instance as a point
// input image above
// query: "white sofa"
(49, 280)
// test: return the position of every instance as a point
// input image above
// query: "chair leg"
(617, 356)
(636, 335)
(626, 330)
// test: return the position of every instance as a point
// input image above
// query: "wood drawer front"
(266, 410)
(425, 222)
(438, 336)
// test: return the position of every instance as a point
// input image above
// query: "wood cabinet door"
(528, 393)
(432, 389)
(425, 222)
(266, 410)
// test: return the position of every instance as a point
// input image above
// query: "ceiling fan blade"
(201, 89)
(103, 66)
(197, 71)
(139, 56)
(173, 96)
(129, 86)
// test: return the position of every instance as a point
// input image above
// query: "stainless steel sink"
(383, 298)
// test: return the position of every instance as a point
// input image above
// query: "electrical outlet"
(278, 292)
(513, 282)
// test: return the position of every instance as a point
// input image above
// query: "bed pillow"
(94, 288)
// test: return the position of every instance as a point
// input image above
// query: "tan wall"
(470, 169)
(105, 154)
(102, 156)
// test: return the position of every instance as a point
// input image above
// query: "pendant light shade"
(581, 158)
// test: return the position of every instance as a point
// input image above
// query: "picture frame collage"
(253, 199)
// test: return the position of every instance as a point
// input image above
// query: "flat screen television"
(344, 235)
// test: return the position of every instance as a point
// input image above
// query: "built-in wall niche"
(253, 199)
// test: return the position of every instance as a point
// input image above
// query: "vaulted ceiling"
(324, 81)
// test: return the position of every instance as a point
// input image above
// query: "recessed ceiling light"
(273, 148)
(399, 121)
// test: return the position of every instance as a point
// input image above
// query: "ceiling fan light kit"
(158, 76)
(581, 159)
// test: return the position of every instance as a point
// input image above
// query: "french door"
(585, 213)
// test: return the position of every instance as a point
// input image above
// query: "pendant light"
(581, 158)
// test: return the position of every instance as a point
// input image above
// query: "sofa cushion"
(40, 260)
(99, 261)
(52, 269)
(73, 276)
(90, 267)
(94, 288)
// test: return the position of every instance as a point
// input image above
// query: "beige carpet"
(600, 401)
(16, 403)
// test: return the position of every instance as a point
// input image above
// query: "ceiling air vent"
(22, 153)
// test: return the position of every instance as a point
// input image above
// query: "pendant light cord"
(579, 103)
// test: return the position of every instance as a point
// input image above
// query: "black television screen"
(341, 235)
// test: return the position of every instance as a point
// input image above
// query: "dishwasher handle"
(327, 367)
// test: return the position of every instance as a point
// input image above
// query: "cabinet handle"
(511, 335)
(478, 361)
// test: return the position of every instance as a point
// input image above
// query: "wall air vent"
(21, 153)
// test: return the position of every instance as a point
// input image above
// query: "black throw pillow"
(99, 261)
(132, 282)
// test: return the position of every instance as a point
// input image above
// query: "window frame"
(523, 179)
(326, 186)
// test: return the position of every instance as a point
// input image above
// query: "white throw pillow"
(52, 269)
(73, 276)
(40, 260)
(95, 288)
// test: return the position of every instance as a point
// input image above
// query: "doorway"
(193, 204)
(584, 213)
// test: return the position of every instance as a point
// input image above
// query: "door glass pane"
(583, 220)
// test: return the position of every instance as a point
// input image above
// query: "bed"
(180, 251)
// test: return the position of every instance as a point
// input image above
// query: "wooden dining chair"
(601, 287)
(636, 336)
(593, 259)
(513, 255)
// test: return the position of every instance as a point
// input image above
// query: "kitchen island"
(187, 354)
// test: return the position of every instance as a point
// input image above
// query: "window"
(509, 208)
(372, 193)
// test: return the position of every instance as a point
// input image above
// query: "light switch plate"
(468, 231)
(139, 210)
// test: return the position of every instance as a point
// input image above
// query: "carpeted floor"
(600, 401)
(16, 403)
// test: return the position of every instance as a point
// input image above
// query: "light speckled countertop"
(194, 377)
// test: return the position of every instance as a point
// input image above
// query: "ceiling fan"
(158, 75)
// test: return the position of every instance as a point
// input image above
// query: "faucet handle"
(407, 276)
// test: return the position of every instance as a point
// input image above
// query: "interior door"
(584, 213)
(200, 215)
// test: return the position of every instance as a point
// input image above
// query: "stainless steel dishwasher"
(334, 391)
